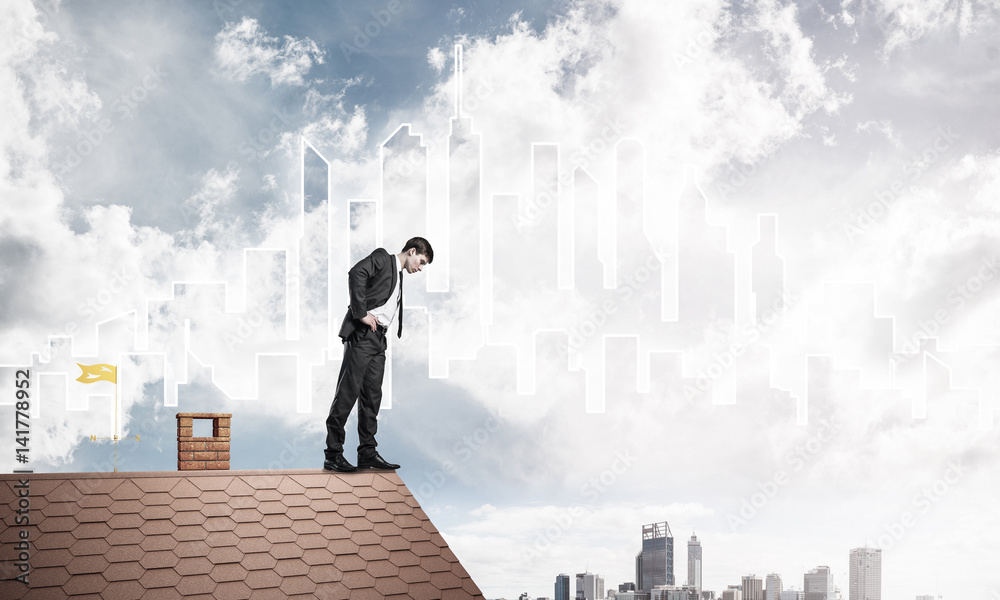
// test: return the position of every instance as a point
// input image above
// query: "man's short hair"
(422, 246)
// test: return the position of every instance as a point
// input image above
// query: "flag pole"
(116, 418)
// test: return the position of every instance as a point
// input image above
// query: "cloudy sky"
(732, 266)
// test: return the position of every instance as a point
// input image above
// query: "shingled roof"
(227, 535)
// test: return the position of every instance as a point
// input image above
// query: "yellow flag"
(93, 373)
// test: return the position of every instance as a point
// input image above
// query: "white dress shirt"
(386, 313)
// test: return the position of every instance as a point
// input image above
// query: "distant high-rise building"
(654, 565)
(562, 587)
(866, 574)
(674, 592)
(628, 595)
(626, 587)
(589, 586)
(753, 588)
(732, 593)
(773, 590)
(694, 562)
(818, 584)
(792, 594)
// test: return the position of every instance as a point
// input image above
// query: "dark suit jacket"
(370, 283)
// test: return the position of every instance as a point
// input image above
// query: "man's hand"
(369, 320)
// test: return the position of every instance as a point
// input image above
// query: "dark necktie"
(399, 306)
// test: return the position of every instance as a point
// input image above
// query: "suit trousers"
(360, 378)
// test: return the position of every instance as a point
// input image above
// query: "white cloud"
(244, 49)
(805, 89)
(673, 68)
(38, 86)
(883, 127)
(456, 14)
(905, 22)
(436, 58)
(330, 124)
(269, 182)
(211, 217)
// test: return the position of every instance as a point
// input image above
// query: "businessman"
(376, 290)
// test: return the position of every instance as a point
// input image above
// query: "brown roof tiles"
(238, 536)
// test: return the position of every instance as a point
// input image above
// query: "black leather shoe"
(376, 462)
(339, 464)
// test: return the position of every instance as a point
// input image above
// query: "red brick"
(206, 415)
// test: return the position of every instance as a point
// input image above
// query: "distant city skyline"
(818, 583)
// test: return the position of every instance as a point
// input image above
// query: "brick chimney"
(203, 453)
